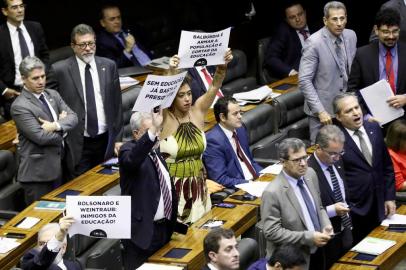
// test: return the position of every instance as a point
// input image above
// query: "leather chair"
(128, 99)
(248, 249)
(60, 54)
(263, 75)
(400, 198)
(236, 80)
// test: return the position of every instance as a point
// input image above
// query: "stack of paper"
(373, 246)
(395, 219)
(253, 188)
(126, 82)
(7, 244)
(255, 96)
(273, 169)
(28, 222)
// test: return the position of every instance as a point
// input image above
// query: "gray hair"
(137, 118)
(333, 5)
(329, 133)
(29, 64)
(290, 143)
(339, 97)
(81, 29)
(50, 227)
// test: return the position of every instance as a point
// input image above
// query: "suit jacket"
(40, 151)
(70, 88)
(139, 179)
(220, 160)
(282, 217)
(108, 46)
(283, 52)
(365, 68)
(320, 77)
(43, 259)
(7, 65)
(196, 84)
(367, 183)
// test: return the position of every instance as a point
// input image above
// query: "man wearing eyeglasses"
(19, 39)
(326, 162)
(291, 208)
(90, 86)
(384, 59)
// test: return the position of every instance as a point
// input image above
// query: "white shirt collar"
(12, 28)
(351, 132)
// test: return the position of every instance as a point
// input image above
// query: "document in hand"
(256, 95)
(375, 96)
(373, 246)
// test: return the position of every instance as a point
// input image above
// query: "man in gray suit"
(90, 86)
(325, 65)
(42, 118)
(291, 208)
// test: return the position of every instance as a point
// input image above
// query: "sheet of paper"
(100, 216)
(158, 91)
(255, 188)
(28, 222)
(7, 244)
(255, 95)
(202, 49)
(162, 62)
(373, 246)
(375, 96)
(155, 266)
(273, 169)
(395, 219)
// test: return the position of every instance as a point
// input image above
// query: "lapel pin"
(103, 68)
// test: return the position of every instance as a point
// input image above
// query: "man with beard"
(51, 248)
(90, 86)
(382, 59)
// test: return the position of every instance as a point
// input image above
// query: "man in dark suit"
(282, 57)
(326, 162)
(368, 167)
(383, 59)
(50, 249)
(220, 250)
(42, 118)
(12, 51)
(153, 196)
(90, 86)
(227, 157)
(115, 43)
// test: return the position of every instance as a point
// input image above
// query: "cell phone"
(181, 228)
(15, 235)
(225, 205)
(249, 197)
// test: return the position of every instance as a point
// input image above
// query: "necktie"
(309, 205)
(303, 32)
(133, 58)
(390, 76)
(164, 187)
(339, 53)
(345, 219)
(243, 158)
(364, 147)
(46, 107)
(91, 111)
(209, 80)
(23, 44)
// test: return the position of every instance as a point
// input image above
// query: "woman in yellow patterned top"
(183, 141)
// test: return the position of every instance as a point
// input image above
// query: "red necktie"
(243, 158)
(390, 76)
(164, 187)
(209, 80)
(304, 34)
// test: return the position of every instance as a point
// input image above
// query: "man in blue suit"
(151, 190)
(227, 158)
(368, 167)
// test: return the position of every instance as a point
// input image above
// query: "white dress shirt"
(364, 136)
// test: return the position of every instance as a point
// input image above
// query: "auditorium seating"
(263, 75)
(248, 249)
(60, 54)
(128, 98)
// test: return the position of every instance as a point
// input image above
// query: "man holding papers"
(227, 158)
(384, 59)
(368, 167)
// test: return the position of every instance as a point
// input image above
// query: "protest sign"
(202, 49)
(158, 91)
(100, 216)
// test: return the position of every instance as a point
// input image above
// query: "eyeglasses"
(83, 46)
(333, 154)
(16, 7)
(300, 159)
(388, 33)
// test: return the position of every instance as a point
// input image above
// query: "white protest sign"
(158, 91)
(100, 216)
(202, 49)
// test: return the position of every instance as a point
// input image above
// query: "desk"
(8, 133)
(344, 266)
(89, 183)
(390, 258)
(238, 219)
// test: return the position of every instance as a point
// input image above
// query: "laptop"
(133, 71)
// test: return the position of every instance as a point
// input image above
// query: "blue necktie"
(23, 44)
(309, 205)
(46, 107)
(91, 111)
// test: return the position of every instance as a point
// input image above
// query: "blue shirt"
(382, 62)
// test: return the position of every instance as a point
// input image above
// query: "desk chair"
(128, 98)
(263, 75)
(400, 198)
(248, 249)
(60, 54)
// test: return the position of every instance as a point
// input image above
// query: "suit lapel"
(77, 81)
(101, 70)
(330, 46)
(375, 66)
(230, 149)
(7, 41)
(33, 37)
(36, 104)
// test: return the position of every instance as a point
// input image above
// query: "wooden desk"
(344, 266)
(239, 219)
(89, 183)
(390, 258)
(8, 133)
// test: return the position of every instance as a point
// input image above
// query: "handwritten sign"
(202, 49)
(100, 216)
